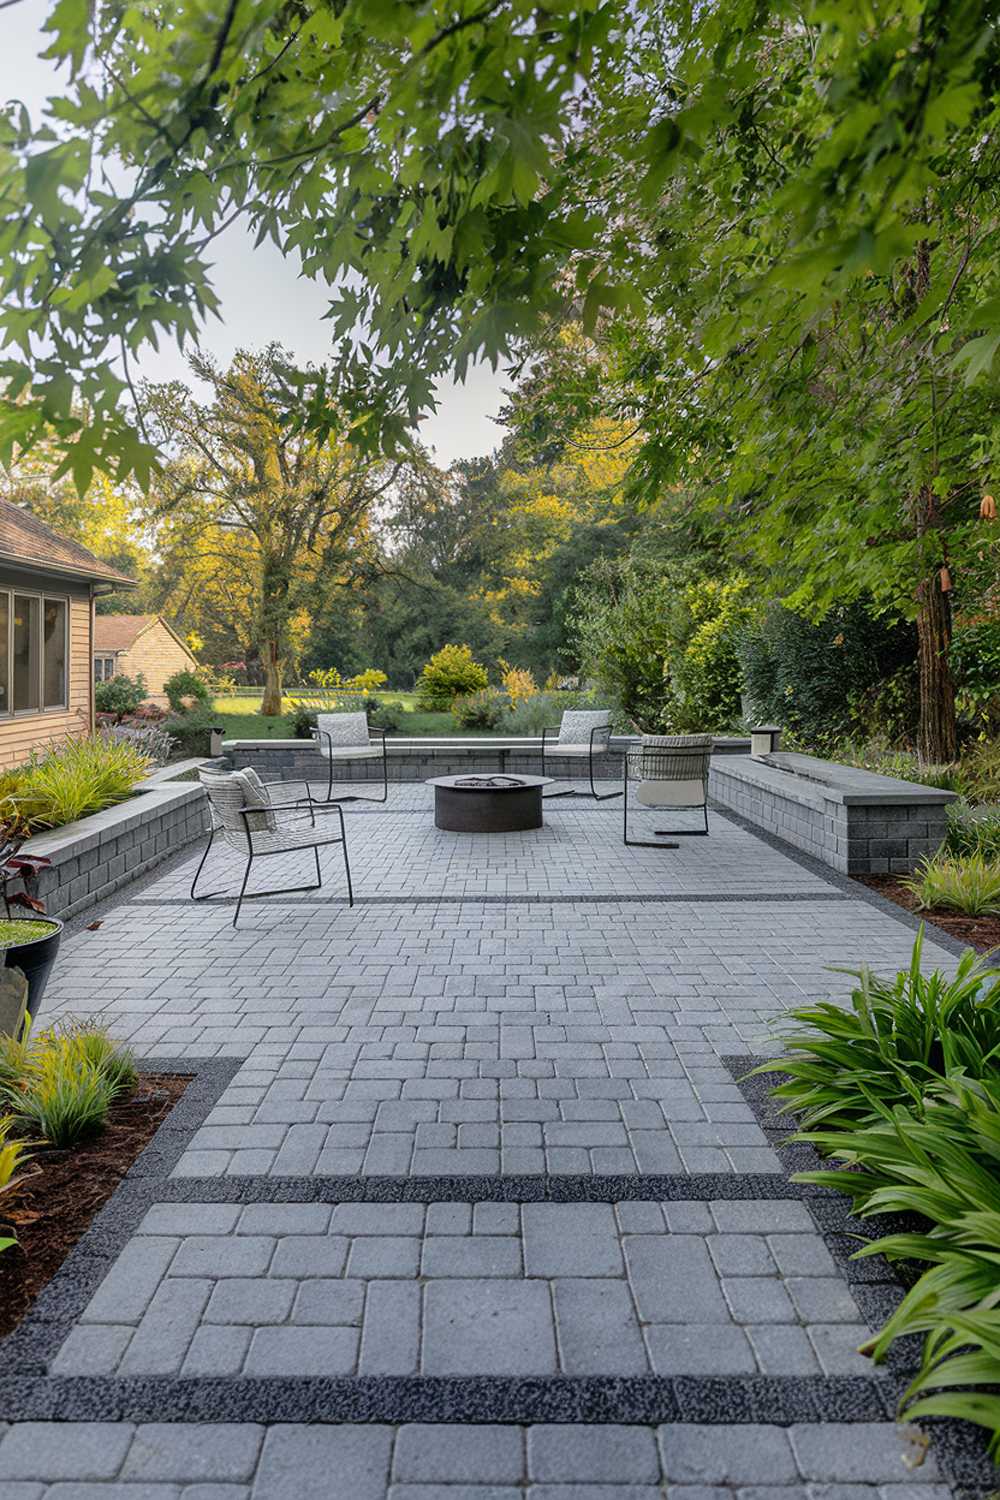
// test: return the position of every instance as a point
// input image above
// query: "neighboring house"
(127, 645)
(48, 585)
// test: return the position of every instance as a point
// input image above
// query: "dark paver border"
(675, 1187)
(641, 898)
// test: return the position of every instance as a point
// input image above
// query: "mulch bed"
(63, 1190)
(977, 932)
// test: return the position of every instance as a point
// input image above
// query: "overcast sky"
(263, 296)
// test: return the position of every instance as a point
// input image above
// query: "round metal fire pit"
(487, 802)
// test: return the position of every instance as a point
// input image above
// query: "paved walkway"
(340, 1272)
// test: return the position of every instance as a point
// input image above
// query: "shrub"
(969, 884)
(828, 677)
(451, 673)
(80, 777)
(192, 731)
(186, 685)
(365, 682)
(518, 683)
(303, 720)
(975, 662)
(119, 695)
(388, 716)
(486, 709)
(148, 739)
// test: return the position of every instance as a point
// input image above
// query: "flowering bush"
(451, 673)
(148, 739)
(518, 683)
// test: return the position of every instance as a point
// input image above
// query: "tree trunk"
(270, 656)
(937, 737)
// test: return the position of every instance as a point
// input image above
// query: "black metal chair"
(346, 737)
(582, 734)
(246, 818)
(669, 772)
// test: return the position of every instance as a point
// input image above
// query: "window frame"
(10, 590)
(106, 658)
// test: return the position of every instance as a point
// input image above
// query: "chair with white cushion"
(669, 771)
(345, 737)
(582, 735)
(246, 818)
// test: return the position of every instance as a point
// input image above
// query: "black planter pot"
(35, 959)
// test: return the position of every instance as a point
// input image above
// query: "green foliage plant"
(191, 730)
(486, 709)
(903, 1089)
(13, 1157)
(120, 695)
(969, 883)
(451, 673)
(388, 716)
(937, 1158)
(62, 785)
(973, 831)
(975, 661)
(187, 689)
(896, 1036)
(59, 1085)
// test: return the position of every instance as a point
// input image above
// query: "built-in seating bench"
(857, 821)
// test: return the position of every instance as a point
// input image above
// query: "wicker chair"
(582, 734)
(246, 818)
(669, 771)
(348, 736)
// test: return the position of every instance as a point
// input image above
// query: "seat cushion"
(671, 793)
(560, 749)
(350, 752)
(255, 794)
(577, 723)
(342, 730)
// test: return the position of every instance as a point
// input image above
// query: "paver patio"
(354, 1246)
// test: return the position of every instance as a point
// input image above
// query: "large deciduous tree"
(298, 505)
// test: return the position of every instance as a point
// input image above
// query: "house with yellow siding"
(48, 588)
(130, 645)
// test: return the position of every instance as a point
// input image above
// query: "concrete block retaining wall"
(856, 821)
(94, 857)
(417, 759)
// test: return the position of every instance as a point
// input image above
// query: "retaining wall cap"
(847, 784)
(59, 844)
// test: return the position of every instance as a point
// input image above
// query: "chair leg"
(243, 887)
(598, 796)
(347, 872)
(359, 796)
(201, 866)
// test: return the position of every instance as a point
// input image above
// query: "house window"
(104, 668)
(34, 652)
(54, 663)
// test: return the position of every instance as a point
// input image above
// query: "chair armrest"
(604, 729)
(374, 729)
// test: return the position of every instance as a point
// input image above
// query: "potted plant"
(29, 939)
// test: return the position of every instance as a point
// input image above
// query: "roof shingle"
(26, 540)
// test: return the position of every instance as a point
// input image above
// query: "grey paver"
(478, 1454)
(500, 1327)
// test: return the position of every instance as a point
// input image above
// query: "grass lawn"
(241, 721)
